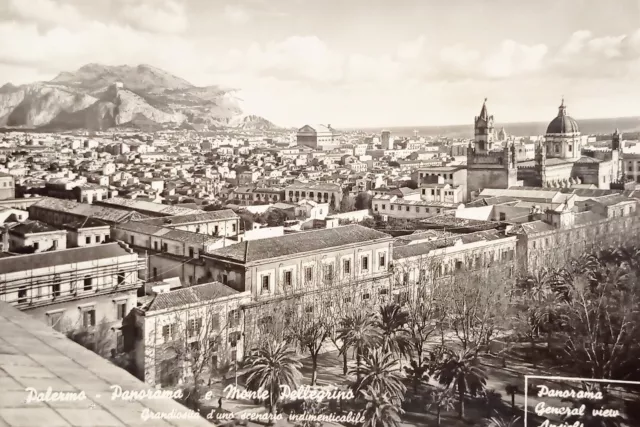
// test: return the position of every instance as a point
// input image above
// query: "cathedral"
(560, 158)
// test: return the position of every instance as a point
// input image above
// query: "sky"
(351, 63)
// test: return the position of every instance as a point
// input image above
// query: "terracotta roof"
(297, 243)
(88, 222)
(190, 295)
(32, 227)
(613, 199)
(133, 204)
(167, 233)
(426, 247)
(83, 209)
(192, 218)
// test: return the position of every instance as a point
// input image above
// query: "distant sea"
(587, 127)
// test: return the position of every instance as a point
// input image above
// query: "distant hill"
(587, 126)
(100, 97)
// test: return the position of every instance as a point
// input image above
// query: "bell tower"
(483, 130)
(489, 166)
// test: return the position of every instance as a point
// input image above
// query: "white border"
(543, 377)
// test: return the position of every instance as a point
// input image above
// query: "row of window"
(407, 208)
(194, 327)
(327, 274)
(311, 194)
(434, 191)
(98, 239)
(577, 235)
(444, 175)
(56, 285)
(266, 321)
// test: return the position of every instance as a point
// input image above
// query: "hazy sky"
(352, 62)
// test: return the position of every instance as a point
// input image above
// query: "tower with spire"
(489, 166)
(483, 129)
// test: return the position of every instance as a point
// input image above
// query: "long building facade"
(74, 289)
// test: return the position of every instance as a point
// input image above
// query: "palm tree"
(272, 366)
(380, 411)
(377, 372)
(392, 322)
(501, 422)
(417, 372)
(462, 372)
(441, 400)
(359, 332)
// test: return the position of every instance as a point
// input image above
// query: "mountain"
(99, 97)
(252, 122)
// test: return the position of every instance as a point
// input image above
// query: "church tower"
(484, 132)
(616, 140)
(541, 163)
(489, 166)
(616, 156)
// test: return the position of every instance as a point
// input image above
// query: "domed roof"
(563, 123)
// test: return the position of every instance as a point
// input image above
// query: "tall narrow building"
(489, 165)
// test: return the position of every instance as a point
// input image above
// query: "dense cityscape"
(167, 259)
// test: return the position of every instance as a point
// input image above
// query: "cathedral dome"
(562, 123)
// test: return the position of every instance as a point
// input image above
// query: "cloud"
(587, 56)
(236, 14)
(44, 12)
(61, 49)
(160, 16)
(513, 59)
(301, 58)
(411, 49)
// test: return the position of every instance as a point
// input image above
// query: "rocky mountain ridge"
(100, 97)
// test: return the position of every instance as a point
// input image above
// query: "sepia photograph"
(320, 213)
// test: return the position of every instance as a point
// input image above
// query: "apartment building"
(73, 288)
(203, 315)
(222, 223)
(455, 176)
(170, 252)
(396, 207)
(553, 236)
(417, 265)
(249, 195)
(439, 192)
(58, 212)
(318, 192)
(302, 263)
(87, 232)
(37, 235)
(631, 163)
(7, 186)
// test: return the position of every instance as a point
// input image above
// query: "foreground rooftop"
(34, 355)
